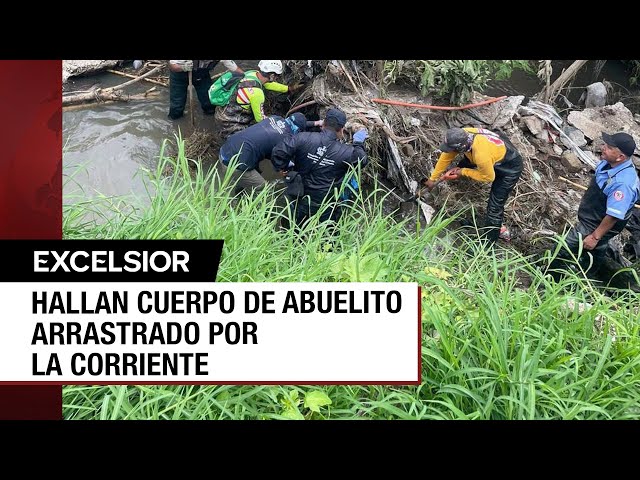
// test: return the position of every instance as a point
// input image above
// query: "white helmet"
(270, 66)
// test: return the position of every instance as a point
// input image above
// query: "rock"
(596, 95)
(542, 136)
(636, 117)
(575, 135)
(557, 149)
(542, 145)
(71, 68)
(407, 150)
(571, 162)
(610, 118)
(498, 114)
(534, 124)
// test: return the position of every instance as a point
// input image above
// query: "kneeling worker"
(255, 143)
(488, 158)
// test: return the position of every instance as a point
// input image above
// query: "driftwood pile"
(559, 153)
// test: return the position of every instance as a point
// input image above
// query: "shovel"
(191, 88)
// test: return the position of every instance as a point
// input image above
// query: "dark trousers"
(507, 174)
(303, 209)
(178, 91)
(589, 261)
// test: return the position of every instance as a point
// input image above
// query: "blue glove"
(137, 64)
(360, 136)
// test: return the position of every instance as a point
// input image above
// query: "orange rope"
(436, 107)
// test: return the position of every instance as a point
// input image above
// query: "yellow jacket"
(486, 150)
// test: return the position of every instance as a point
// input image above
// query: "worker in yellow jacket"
(488, 157)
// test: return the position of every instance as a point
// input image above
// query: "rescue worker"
(201, 77)
(247, 103)
(255, 143)
(606, 206)
(322, 161)
(488, 157)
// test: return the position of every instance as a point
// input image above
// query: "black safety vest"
(593, 207)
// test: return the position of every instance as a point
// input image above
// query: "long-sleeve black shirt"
(321, 160)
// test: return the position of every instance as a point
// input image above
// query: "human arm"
(443, 162)
(256, 99)
(620, 198)
(180, 65)
(358, 156)
(232, 66)
(591, 241)
(283, 153)
(276, 87)
(484, 163)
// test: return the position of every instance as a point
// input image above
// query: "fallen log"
(549, 94)
(72, 68)
(150, 80)
(113, 97)
(112, 94)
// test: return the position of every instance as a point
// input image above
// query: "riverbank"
(492, 348)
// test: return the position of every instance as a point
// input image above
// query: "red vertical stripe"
(30, 189)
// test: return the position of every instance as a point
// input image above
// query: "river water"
(105, 145)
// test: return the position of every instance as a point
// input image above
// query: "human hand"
(589, 242)
(452, 174)
(360, 136)
(295, 87)
(428, 184)
(183, 65)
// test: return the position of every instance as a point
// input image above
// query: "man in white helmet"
(247, 102)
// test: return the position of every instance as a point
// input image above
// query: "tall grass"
(492, 349)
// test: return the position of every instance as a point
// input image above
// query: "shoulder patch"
(618, 195)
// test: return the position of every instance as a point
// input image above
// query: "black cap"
(336, 118)
(299, 120)
(455, 139)
(623, 141)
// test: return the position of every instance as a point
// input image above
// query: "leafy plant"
(633, 67)
(454, 80)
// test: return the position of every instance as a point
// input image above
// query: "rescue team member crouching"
(255, 143)
(322, 161)
(247, 102)
(606, 206)
(488, 158)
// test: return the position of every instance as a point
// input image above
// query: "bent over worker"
(322, 161)
(246, 105)
(487, 158)
(255, 143)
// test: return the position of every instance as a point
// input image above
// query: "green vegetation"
(633, 66)
(491, 348)
(452, 80)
